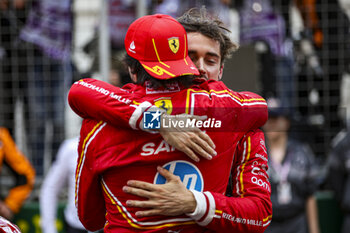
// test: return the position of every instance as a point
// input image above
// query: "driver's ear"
(132, 76)
(221, 72)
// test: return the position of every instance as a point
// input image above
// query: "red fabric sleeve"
(91, 98)
(251, 108)
(254, 112)
(249, 209)
(95, 99)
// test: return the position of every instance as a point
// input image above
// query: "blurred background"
(294, 50)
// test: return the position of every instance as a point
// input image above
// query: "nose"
(200, 67)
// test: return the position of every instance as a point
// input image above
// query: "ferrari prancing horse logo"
(174, 44)
(165, 104)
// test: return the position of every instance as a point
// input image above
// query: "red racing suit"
(110, 154)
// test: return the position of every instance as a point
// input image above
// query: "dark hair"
(143, 76)
(199, 20)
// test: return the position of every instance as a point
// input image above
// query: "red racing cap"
(159, 43)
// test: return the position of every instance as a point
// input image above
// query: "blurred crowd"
(302, 51)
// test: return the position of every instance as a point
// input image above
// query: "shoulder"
(341, 140)
(255, 137)
(301, 151)
(4, 132)
(68, 150)
(244, 96)
(251, 97)
(257, 133)
(298, 145)
(70, 145)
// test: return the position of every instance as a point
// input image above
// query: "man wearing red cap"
(209, 46)
(109, 156)
(148, 43)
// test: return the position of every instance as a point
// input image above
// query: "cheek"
(213, 72)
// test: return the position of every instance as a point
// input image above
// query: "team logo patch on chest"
(165, 104)
(189, 174)
(174, 44)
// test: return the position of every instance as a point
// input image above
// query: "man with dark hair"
(209, 46)
(158, 43)
(199, 21)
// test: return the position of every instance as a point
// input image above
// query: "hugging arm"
(94, 99)
(249, 208)
(246, 208)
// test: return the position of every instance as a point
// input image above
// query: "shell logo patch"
(174, 44)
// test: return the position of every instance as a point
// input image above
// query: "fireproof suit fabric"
(7, 226)
(23, 170)
(249, 198)
(109, 156)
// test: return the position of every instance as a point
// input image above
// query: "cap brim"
(170, 69)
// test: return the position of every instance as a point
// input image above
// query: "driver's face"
(205, 54)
